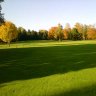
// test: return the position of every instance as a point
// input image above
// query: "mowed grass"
(48, 68)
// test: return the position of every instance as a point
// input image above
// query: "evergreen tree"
(1, 15)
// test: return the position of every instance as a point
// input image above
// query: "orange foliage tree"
(91, 32)
(56, 32)
(67, 31)
(52, 32)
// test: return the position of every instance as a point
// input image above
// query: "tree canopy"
(8, 32)
(1, 15)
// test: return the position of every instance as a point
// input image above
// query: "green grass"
(48, 68)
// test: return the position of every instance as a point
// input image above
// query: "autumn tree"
(79, 27)
(67, 31)
(91, 32)
(65, 34)
(52, 32)
(8, 32)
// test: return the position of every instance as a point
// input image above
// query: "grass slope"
(48, 68)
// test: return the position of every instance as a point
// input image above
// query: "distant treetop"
(1, 0)
(1, 15)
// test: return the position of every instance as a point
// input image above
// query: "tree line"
(9, 32)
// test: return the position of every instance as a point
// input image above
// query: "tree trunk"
(9, 43)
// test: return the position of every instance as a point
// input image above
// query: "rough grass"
(48, 68)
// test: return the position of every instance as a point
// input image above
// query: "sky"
(44, 14)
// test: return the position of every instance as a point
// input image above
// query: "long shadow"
(85, 91)
(36, 62)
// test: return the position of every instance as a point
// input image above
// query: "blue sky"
(43, 14)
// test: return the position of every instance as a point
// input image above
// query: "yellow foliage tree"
(8, 32)
(79, 27)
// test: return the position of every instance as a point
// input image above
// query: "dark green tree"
(29, 36)
(43, 34)
(1, 15)
(76, 35)
(22, 34)
(34, 35)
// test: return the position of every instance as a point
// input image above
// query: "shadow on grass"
(36, 62)
(86, 91)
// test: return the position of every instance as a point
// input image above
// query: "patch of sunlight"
(46, 44)
(50, 85)
(73, 80)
